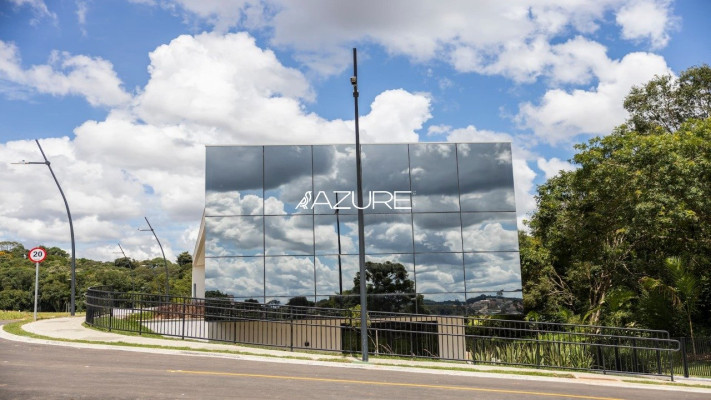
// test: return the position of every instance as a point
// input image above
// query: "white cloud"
(553, 166)
(562, 115)
(39, 9)
(647, 19)
(395, 116)
(82, 10)
(147, 158)
(511, 38)
(65, 74)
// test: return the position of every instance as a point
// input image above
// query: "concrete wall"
(325, 334)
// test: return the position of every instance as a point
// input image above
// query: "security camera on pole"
(37, 255)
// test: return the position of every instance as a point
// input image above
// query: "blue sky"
(124, 95)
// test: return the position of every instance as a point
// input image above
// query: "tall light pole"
(133, 273)
(361, 224)
(69, 215)
(165, 262)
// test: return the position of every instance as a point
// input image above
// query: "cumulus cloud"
(146, 158)
(511, 38)
(65, 74)
(563, 114)
(647, 19)
(553, 166)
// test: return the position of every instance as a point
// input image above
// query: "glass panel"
(327, 274)
(392, 277)
(485, 177)
(233, 180)
(287, 179)
(334, 170)
(289, 235)
(444, 304)
(434, 177)
(385, 170)
(290, 276)
(494, 303)
(439, 273)
(489, 232)
(234, 236)
(388, 233)
(492, 272)
(437, 232)
(326, 234)
(236, 276)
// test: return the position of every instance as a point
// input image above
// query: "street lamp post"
(69, 215)
(361, 228)
(165, 262)
(133, 272)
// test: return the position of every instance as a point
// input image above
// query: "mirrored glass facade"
(440, 226)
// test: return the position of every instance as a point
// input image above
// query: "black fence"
(694, 359)
(468, 339)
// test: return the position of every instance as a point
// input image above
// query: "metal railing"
(461, 338)
(694, 359)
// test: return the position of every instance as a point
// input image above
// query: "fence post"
(684, 360)
(183, 336)
(634, 356)
(140, 314)
(111, 311)
(291, 328)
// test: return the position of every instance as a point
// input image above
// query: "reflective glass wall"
(281, 226)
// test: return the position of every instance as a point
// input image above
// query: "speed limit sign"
(37, 254)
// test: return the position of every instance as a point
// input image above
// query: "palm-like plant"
(684, 291)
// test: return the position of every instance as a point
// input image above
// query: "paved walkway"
(71, 328)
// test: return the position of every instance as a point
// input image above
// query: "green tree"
(393, 290)
(185, 259)
(666, 102)
(635, 200)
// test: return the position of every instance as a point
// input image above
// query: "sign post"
(37, 255)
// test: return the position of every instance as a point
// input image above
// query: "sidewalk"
(71, 328)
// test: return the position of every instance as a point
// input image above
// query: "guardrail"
(460, 338)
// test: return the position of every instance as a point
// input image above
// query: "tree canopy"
(638, 197)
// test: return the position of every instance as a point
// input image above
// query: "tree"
(666, 102)
(185, 259)
(635, 200)
(393, 290)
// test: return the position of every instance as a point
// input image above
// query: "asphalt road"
(35, 371)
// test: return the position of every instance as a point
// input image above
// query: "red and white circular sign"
(37, 254)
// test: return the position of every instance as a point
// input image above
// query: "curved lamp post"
(165, 262)
(69, 215)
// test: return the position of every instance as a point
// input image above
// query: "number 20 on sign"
(37, 255)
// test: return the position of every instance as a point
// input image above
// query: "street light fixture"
(69, 215)
(165, 262)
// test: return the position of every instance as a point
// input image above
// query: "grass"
(644, 382)
(11, 315)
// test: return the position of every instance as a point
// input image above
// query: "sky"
(124, 95)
